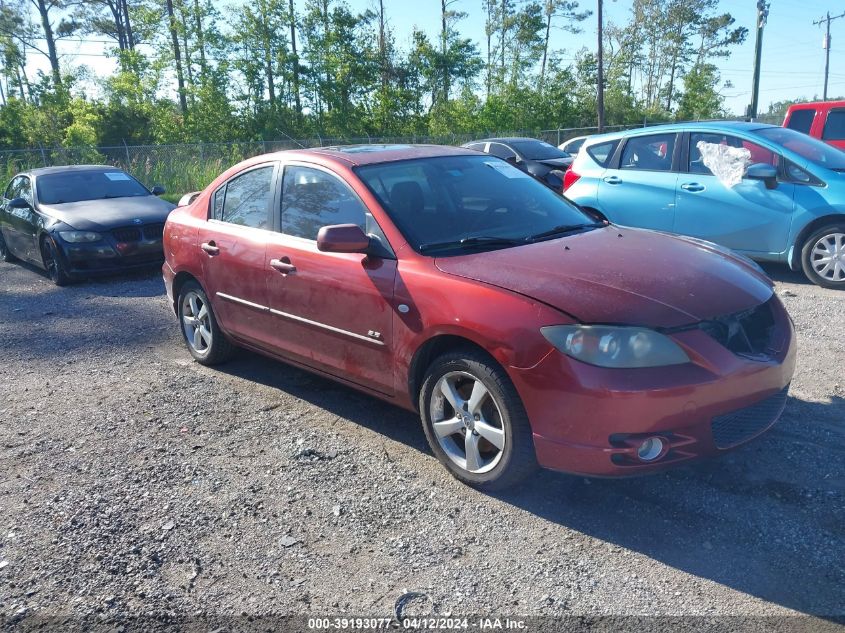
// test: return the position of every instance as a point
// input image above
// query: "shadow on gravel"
(782, 273)
(359, 408)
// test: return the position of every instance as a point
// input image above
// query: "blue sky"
(793, 58)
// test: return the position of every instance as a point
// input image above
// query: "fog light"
(650, 449)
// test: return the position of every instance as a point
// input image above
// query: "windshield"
(451, 204)
(537, 150)
(76, 186)
(805, 146)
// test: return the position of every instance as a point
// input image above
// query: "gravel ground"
(135, 481)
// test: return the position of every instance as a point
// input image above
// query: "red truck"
(824, 120)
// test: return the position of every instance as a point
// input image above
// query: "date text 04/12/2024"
(418, 623)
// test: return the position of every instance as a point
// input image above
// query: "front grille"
(747, 333)
(150, 232)
(153, 231)
(127, 234)
(741, 425)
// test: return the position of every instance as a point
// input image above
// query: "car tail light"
(570, 178)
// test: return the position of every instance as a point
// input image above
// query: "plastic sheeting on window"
(727, 163)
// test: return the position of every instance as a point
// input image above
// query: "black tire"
(810, 255)
(5, 253)
(54, 262)
(516, 459)
(218, 349)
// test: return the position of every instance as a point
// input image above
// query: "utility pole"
(826, 46)
(600, 95)
(762, 15)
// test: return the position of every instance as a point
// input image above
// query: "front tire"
(5, 253)
(475, 422)
(203, 336)
(53, 262)
(823, 257)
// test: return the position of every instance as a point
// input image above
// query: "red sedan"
(453, 284)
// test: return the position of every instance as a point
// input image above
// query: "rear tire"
(203, 336)
(475, 422)
(53, 262)
(5, 253)
(823, 257)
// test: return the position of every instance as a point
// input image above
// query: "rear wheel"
(475, 422)
(53, 262)
(823, 257)
(206, 342)
(5, 253)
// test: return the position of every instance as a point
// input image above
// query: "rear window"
(601, 152)
(801, 120)
(834, 127)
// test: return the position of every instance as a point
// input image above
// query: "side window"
(502, 151)
(801, 120)
(834, 127)
(217, 205)
(601, 152)
(312, 199)
(653, 152)
(23, 189)
(11, 190)
(248, 198)
(697, 140)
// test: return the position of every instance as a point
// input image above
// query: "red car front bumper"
(591, 420)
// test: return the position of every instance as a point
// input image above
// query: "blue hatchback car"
(768, 192)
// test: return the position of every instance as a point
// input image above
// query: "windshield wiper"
(472, 242)
(563, 229)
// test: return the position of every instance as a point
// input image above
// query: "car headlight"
(612, 346)
(80, 236)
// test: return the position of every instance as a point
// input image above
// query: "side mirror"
(342, 238)
(158, 190)
(765, 172)
(513, 160)
(19, 203)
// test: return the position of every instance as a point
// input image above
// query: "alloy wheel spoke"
(445, 428)
(205, 334)
(203, 313)
(477, 397)
(472, 452)
(192, 301)
(490, 433)
(447, 387)
(197, 339)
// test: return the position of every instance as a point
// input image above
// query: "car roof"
(506, 139)
(816, 105)
(716, 126)
(41, 171)
(357, 155)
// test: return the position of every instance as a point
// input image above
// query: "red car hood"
(622, 275)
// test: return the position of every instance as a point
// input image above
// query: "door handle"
(613, 180)
(283, 265)
(210, 248)
(692, 186)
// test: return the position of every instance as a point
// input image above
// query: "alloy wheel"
(196, 322)
(467, 422)
(49, 257)
(828, 257)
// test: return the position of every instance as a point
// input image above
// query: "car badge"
(137, 221)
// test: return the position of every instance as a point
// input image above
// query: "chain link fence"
(191, 166)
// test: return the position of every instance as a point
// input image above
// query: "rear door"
(638, 188)
(834, 128)
(332, 311)
(745, 216)
(233, 243)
